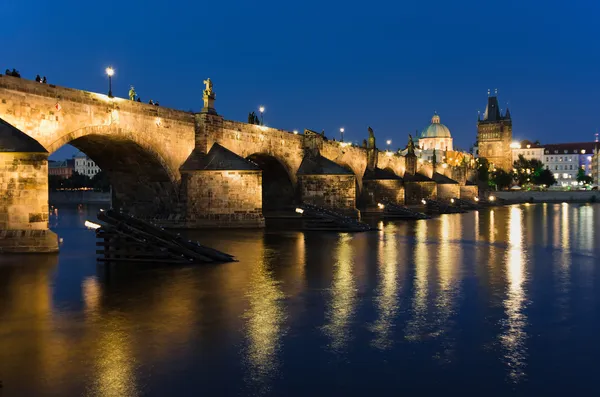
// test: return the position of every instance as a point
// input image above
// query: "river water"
(502, 302)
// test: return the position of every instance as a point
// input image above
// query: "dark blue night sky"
(325, 64)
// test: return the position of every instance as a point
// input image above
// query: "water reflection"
(415, 326)
(448, 282)
(343, 295)
(386, 300)
(265, 319)
(514, 337)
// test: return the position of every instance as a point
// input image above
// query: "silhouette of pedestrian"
(156, 104)
(38, 78)
(139, 99)
(44, 81)
(7, 72)
(16, 73)
(151, 102)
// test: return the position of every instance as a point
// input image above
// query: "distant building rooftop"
(570, 148)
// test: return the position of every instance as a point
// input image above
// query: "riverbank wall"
(79, 197)
(574, 196)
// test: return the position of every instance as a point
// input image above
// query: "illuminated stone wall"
(223, 199)
(416, 191)
(448, 191)
(24, 204)
(378, 190)
(337, 192)
(55, 115)
(468, 192)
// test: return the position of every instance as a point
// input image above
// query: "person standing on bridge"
(38, 78)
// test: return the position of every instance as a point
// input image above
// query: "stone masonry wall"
(448, 191)
(416, 191)
(24, 204)
(378, 190)
(337, 192)
(23, 191)
(223, 198)
(468, 192)
(56, 115)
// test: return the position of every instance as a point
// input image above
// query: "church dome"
(436, 129)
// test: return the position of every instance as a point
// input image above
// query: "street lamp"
(110, 72)
(388, 142)
(342, 132)
(261, 109)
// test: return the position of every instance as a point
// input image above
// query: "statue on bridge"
(411, 145)
(132, 93)
(371, 151)
(208, 91)
(371, 142)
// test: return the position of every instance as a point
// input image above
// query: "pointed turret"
(492, 111)
(507, 114)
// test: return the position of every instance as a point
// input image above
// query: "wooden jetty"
(396, 211)
(319, 218)
(124, 238)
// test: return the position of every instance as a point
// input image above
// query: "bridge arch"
(143, 182)
(278, 182)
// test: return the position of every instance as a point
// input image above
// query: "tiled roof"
(571, 148)
(319, 165)
(378, 173)
(218, 158)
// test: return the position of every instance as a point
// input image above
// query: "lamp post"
(261, 109)
(388, 142)
(110, 72)
(342, 132)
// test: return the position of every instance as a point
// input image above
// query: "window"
(571, 166)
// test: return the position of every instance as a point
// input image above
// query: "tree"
(100, 182)
(546, 177)
(582, 177)
(483, 170)
(525, 171)
(501, 179)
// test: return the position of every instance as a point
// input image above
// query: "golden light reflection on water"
(343, 295)
(421, 283)
(447, 264)
(514, 337)
(114, 361)
(387, 298)
(265, 319)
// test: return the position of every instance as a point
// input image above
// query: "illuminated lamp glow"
(92, 225)
(381, 206)
(299, 210)
(492, 198)
(423, 201)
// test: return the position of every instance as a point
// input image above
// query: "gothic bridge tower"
(494, 135)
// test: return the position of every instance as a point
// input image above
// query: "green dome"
(436, 129)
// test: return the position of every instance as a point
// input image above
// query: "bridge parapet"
(64, 94)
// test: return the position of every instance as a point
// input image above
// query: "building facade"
(596, 164)
(85, 165)
(494, 136)
(435, 136)
(565, 160)
(63, 169)
(529, 150)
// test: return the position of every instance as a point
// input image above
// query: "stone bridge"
(208, 170)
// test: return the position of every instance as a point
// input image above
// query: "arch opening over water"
(141, 183)
(278, 191)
